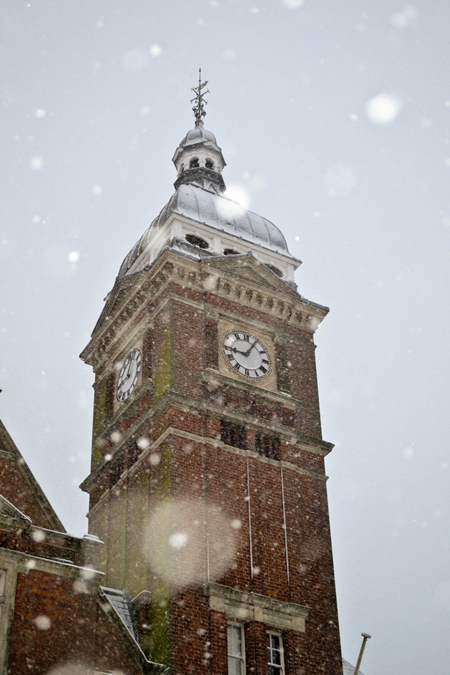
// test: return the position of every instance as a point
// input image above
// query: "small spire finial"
(198, 109)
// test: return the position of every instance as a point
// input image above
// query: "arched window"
(230, 251)
(209, 164)
(278, 272)
(196, 241)
(193, 164)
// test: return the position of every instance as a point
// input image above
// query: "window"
(274, 269)
(193, 164)
(197, 241)
(268, 446)
(236, 660)
(209, 164)
(233, 434)
(230, 251)
(275, 661)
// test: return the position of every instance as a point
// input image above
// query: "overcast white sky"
(334, 117)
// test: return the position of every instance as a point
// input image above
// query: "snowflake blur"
(190, 542)
(383, 109)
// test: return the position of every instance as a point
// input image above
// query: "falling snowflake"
(42, 622)
(155, 50)
(293, 4)
(38, 536)
(36, 163)
(178, 540)
(405, 18)
(383, 109)
(135, 60)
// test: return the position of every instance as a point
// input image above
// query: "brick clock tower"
(207, 482)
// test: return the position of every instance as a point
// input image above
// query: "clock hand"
(247, 353)
(237, 351)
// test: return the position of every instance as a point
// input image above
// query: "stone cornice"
(92, 481)
(198, 174)
(210, 375)
(242, 606)
(278, 334)
(190, 404)
(26, 562)
(89, 545)
(132, 292)
(172, 398)
(186, 403)
(120, 309)
(11, 524)
(9, 512)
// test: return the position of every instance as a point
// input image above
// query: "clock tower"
(207, 481)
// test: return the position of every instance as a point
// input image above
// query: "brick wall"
(53, 625)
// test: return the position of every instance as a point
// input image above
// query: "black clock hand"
(247, 353)
(236, 351)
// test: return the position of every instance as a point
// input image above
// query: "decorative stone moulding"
(174, 266)
(240, 606)
(201, 176)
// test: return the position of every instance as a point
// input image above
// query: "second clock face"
(129, 375)
(246, 354)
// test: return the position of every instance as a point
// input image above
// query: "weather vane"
(198, 109)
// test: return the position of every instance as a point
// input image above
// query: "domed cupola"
(198, 159)
(202, 222)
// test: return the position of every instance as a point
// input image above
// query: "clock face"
(246, 354)
(129, 375)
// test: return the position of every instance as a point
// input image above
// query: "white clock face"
(246, 354)
(129, 375)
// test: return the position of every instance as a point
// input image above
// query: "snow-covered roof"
(198, 135)
(214, 210)
(121, 602)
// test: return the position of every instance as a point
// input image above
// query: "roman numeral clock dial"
(129, 375)
(246, 355)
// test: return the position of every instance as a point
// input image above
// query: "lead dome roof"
(197, 135)
(217, 211)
